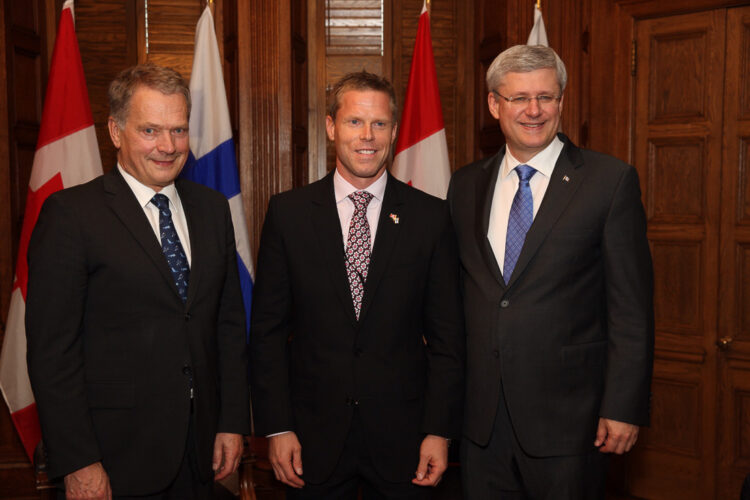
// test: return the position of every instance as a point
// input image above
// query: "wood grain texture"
(265, 141)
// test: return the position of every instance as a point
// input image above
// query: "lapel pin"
(566, 178)
(394, 218)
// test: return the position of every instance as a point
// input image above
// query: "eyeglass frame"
(526, 100)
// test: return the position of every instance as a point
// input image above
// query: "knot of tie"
(525, 173)
(360, 199)
(161, 201)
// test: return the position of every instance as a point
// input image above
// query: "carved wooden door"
(692, 125)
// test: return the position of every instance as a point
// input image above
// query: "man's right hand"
(285, 454)
(89, 483)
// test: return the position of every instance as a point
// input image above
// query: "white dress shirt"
(506, 187)
(144, 194)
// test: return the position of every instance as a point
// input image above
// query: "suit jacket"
(312, 362)
(570, 338)
(112, 348)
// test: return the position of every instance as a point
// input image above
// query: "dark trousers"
(186, 485)
(355, 470)
(503, 471)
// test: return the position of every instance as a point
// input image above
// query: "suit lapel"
(564, 182)
(485, 190)
(327, 225)
(124, 204)
(196, 225)
(385, 240)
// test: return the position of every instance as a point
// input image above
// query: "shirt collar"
(342, 188)
(144, 193)
(543, 162)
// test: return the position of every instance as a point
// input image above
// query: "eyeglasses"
(521, 101)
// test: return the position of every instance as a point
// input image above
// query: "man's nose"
(165, 142)
(366, 134)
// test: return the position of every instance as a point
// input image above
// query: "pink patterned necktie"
(358, 248)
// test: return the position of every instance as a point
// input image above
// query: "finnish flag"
(212, 161)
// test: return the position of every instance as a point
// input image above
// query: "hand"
(227, 454)
(90, 483)
(285, 455)
(433, 460)
(615, 437)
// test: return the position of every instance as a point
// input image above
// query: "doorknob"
(724, 343)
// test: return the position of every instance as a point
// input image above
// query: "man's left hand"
(433, 460)
(227, 454)
(615, 437)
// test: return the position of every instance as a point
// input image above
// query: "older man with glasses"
(557, 290)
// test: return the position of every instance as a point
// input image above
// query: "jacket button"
(358, 352)
(187, 316)
(186, 370)
(351, 401)
(504, 303)
(496, 353)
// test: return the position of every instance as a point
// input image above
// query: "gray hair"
(166, 80)
(524, 59)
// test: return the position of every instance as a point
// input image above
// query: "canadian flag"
(66, 154)
(421, 150)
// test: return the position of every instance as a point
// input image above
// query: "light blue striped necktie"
(519, 221)
(171, 246)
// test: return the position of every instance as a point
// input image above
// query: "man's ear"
(493, 103)
(394, 133)
(114, 132)
(330, 128)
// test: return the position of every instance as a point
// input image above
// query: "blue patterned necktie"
(358, 248)
(171, 246)
(519, 221)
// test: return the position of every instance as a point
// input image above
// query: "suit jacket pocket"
(588, 354)
(110, 395)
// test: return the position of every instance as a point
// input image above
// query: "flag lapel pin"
(566, 178)
(394, 218)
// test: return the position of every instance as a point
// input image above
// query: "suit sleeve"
(55, 303)
(444, 333)
(629, 297)
(269, 332)
(234, 414)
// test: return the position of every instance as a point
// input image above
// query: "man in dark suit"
(135, 324)
(557, 289)
(356, 339)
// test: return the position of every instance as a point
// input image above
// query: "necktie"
(519, 221)
(171, 246)
(358, 248)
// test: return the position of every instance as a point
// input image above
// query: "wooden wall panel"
(171, 33)
(677, 291)
(106, 31)
(23, 73)
(733, 337)
(674, 169)
(264, 78)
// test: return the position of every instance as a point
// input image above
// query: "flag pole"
(429, 8)
(538, 4)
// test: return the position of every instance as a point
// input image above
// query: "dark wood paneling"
(171, 33)
(23, 74)
(300, 98)
(106, 31)
(734, 263)
(265, 139)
